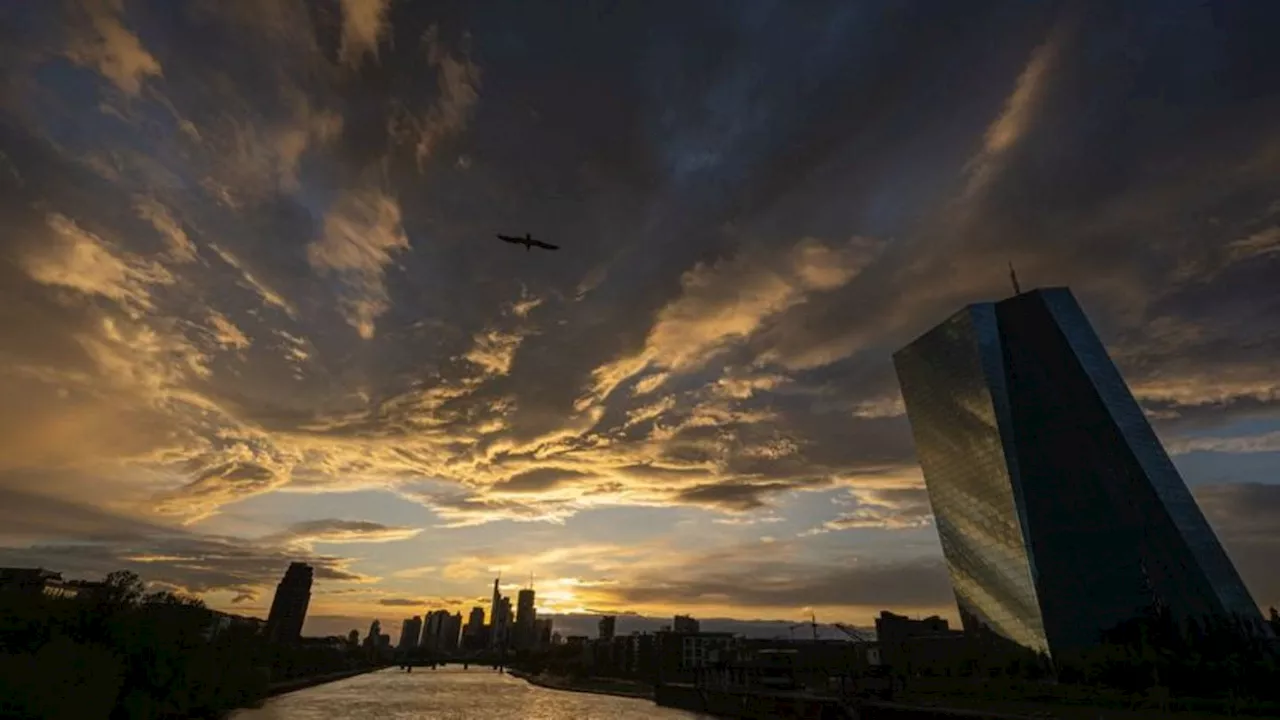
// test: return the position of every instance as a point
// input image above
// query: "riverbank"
(1062, 711)
(288, 686)
(616, 687)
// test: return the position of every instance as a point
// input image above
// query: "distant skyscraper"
(450, 629)
(353, 638)
(433, 631)
(375, 631)
(542, 632)
(1059, 512)
(289, 606)
(502, 627)
(494, 607)
(499, 619)
(525, 617)
(473, 631)
(410, 629)
(608, 625)
(685, 624)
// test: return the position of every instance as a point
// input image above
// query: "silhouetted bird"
(528, 242)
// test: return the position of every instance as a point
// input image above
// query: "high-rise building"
(542, 632)
(499, 619)
(685, 624)
(608, 625)
(495, 607)
(450, 630)
(502, 627)
(410, 629)
(473, 632)
(434, 631)
(526, 615)
(375, 631)
(1059, 512)
(289, 606)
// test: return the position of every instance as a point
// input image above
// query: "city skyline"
(254, 311)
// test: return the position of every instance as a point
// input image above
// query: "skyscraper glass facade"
(1059, 513)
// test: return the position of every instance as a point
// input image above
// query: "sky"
(252, 309)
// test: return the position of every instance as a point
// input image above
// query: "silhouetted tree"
(118, 651)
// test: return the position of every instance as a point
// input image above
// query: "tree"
(122, 587)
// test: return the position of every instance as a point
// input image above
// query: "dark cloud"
(536, 480)
(916, 584)
(28, 515)
(250, 245)
(402, 602)
(88, 542)
(331, 530)
(1244, 517)
(736, 496)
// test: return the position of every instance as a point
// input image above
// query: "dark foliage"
(119, 652)
(1212, 659)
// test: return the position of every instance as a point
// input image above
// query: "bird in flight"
(528, 242)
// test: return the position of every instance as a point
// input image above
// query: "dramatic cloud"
(458, 85)
(230, 475)
(361, 234)
(891, 509)
(537, 480)
(265, 293)
(725, 303)
(91, 543)
(105, 44)
(226, 334)
(252, 303)
(181, 249)
(363, 23)
(344, 531)
(74, 258)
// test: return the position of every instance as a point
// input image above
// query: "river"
(450, 694)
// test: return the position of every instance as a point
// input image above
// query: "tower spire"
(1013, 275)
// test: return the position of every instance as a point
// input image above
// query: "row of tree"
(1214, 664)
(1213, 657)
(120, 652)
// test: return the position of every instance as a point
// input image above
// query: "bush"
(120, 653)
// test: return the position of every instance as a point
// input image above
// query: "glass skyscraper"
(1059, 512)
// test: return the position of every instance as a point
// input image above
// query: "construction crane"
(853, 634)
(813, 624)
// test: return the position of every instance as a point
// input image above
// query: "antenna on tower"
(1013, 275)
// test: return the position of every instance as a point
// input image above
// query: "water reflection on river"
(450, 694)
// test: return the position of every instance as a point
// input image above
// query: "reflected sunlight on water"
(450, 694)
